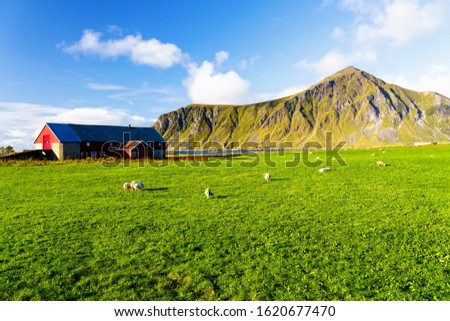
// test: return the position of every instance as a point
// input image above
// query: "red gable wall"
(46, 131)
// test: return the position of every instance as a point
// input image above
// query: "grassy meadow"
(69, 231)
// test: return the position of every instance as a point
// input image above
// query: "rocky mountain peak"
(352, 104)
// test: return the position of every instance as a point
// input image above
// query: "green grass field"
(69, 231)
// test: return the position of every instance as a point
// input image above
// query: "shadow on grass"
(279, 179)
(221, 196)
(155, 189)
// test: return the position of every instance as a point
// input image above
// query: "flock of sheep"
(136, 185)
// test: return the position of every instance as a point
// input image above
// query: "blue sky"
(127, 62)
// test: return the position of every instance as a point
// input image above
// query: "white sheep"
(373, 155)
(127, 186)
(136, 185)
(324, 169)
(208, 193)
(267, 176)
(381, 163)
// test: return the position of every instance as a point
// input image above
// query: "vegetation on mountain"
(353, 105)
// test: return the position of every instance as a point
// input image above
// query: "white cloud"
(338, 34)
(280, 94)
(435, 78)
(401, 21)
(402, 81)
(205, 85)
(108, 87)
(335, 60)
(290, 91)
(221, 57)
(438, 68)
(143, 52)
(89, 115)
(21, 122)
(115, 30)
(377, 25)
(358, 6)
(438, 83)
(331, 62)
(247, 63)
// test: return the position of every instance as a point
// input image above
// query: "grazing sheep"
(381, 163)
(324, 169)
(127, 186)
(373, 155)
(136, 185)
(267, 176)
(208, 193)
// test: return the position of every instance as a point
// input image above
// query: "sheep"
(136, 185)
(208, 193)
(126, 186)
(267, 176)
(373, 155)
(381, 163)
(324, 169)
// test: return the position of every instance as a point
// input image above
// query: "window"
(94, 154)
(88, 144)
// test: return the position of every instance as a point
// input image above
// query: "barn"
(74, 141)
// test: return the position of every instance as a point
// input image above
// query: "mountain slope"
(354, 105)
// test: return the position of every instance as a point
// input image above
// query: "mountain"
(352, 104)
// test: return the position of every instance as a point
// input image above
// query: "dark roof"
(73, 133)
(64, 133)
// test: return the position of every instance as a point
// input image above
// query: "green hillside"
(353, 105)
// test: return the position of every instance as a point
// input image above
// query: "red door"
(47, 145)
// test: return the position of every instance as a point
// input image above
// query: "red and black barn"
(72, 141)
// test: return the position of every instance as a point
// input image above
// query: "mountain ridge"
(352, 104)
